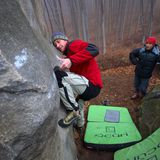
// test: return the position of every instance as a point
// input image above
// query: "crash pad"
(110, 128)
(148, 149)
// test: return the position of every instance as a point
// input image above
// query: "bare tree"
(103, 26)
(74, 26)
(107, 22)
(151, 17)
(142, 20)
(61, 16)
(84, 20)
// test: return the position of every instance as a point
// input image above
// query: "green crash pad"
(96, 113)
(110, 136)
(148, 149)
(110, 128)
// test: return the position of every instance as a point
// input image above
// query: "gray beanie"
(58, 35)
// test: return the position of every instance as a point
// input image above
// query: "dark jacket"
(82, 55)
(145, 61)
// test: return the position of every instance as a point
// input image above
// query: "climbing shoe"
(69, 119)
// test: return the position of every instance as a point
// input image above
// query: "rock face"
(29, 97)
(150, 112)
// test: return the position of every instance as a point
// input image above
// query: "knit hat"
(58, 35)
(151, 40)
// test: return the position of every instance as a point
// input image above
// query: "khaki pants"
(74, 90)
(71, 86)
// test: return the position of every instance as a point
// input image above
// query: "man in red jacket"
(82, 83)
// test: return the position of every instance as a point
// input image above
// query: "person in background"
(83, 80)
(145, 60)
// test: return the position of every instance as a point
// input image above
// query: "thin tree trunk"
(103, 27)
(142, 20)
(124, 20)
(61, 16)
(84, 20)
(151, 18)
(48, 15)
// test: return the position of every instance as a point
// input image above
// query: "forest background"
(113, 25)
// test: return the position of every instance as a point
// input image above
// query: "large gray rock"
(29, 97)
(150, 112)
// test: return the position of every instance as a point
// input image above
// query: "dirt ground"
(117, 90)
(117, 75)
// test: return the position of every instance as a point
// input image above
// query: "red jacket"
(82, 56)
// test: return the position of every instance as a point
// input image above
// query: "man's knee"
(90, 92)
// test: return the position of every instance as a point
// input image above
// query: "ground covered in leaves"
(117, 90)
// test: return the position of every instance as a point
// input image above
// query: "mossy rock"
(150, 112)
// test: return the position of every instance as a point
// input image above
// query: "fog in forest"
(107, 23)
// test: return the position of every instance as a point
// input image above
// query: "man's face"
(60, 44)
(149, 46)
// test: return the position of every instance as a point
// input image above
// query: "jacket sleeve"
(82, 52)
(158, 58)
(134, 56)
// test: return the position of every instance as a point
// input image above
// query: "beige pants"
(73, 85)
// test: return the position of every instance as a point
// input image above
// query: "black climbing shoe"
(69, 119)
